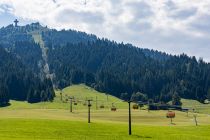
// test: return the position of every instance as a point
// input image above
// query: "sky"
(172, 26)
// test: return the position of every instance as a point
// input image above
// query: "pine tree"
(176, 100)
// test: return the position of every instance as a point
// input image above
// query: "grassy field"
(21, 129)
(52, 120)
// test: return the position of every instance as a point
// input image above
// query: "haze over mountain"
(70, 57)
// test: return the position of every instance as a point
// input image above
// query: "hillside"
(59, 109)
(81, 93)
(70, 57)
(19, 83)
(118, 68)
(52, 120)
(193, 104)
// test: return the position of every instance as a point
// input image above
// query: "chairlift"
(170, 115)
(135, 106)
(113, 108)
(102, 106)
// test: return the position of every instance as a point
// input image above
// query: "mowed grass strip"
(20, 129)
(141, 117)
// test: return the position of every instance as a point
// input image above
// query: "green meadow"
(53, 120)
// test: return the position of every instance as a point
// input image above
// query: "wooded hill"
(115, 68)
(19, 83)
(118, 68)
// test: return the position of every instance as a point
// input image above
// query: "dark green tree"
(176, 100)
(124, 96)
(139, 97)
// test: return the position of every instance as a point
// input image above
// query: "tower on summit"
(16, 22)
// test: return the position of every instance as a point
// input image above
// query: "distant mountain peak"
(37, 25)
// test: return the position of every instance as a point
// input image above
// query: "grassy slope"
(80, 92)
(59, 110)
(193, 104)
(53, 120)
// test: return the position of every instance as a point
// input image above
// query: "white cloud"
(1, 11)
(174, 26)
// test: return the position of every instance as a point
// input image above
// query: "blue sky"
(173, 26)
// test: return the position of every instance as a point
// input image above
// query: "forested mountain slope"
(19, 83)
(118, 69)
